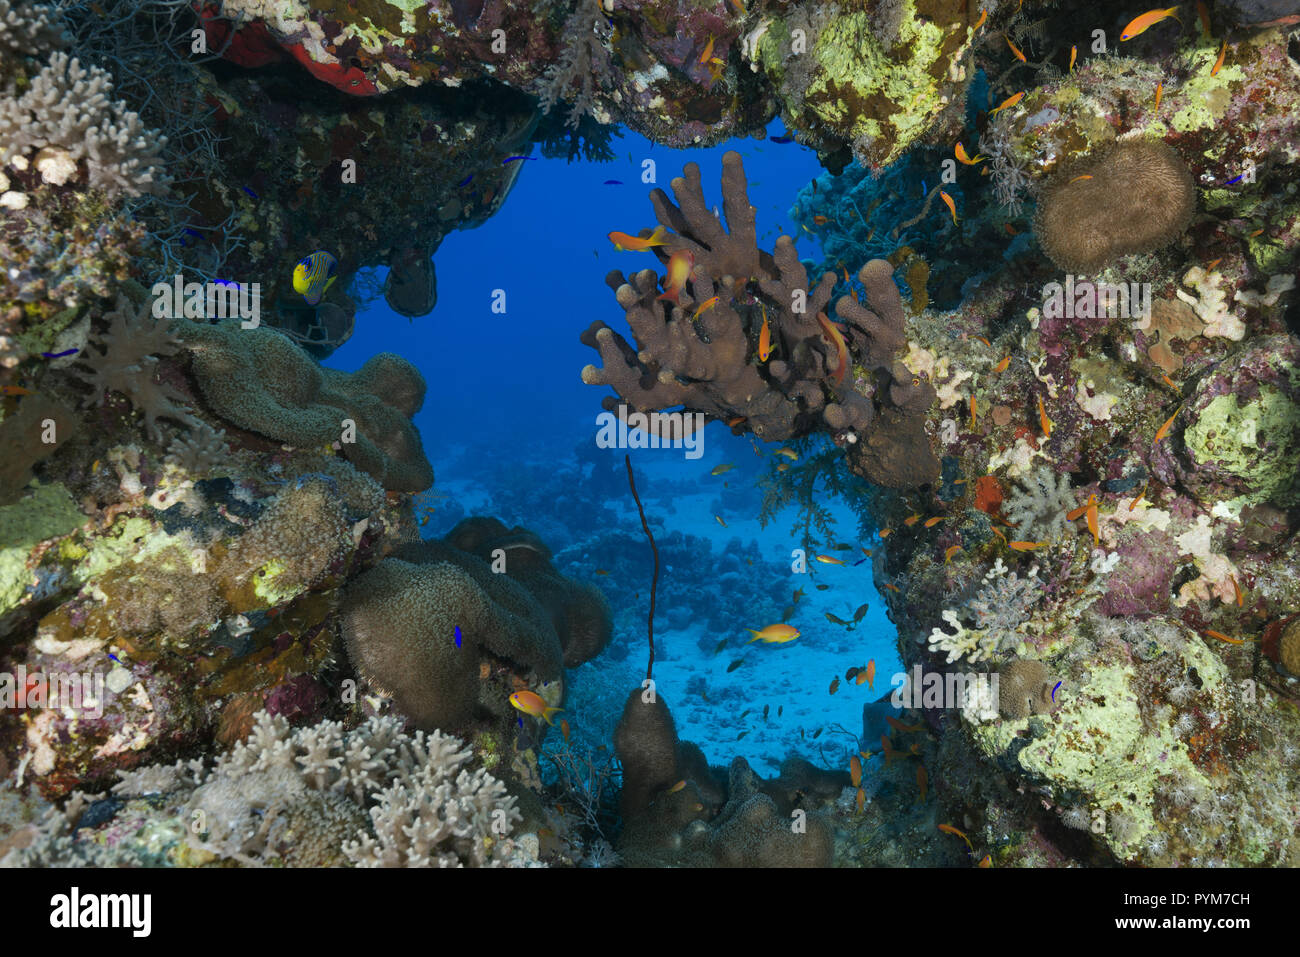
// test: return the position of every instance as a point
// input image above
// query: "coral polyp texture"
(1133, 197)
(704, 350)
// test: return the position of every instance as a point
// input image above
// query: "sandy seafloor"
(792, 678)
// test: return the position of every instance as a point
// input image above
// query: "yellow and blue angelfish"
(314, 275)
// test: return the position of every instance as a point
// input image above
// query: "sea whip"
(654, 581)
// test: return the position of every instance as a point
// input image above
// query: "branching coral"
(30, 29)
(65, 116)
(999, 608)
(320, 796)
(703, 352)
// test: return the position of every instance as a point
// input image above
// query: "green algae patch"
(1255, 442)
(1204, 99)
(48, 512)
(273, 586)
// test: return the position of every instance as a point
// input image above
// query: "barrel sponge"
(260, 380)
(646, 744)
(399, 623)
(1137, 196)
(292, 546)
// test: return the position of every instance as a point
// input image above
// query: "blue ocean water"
(506, 410)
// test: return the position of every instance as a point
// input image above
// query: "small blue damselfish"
(314, 275)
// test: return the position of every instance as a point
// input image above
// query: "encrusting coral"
(703, 352)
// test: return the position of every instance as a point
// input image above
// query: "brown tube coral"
(703, 353)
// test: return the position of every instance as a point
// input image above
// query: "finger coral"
(65, 116)
(316, 796)
(259, 380)
(840, 377)
(1138, 196)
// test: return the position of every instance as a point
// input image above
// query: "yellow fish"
(949, 552)
(313, 276)
(680, 265)
(777, 634)
(1008, 102)
(704, 307)
(1145, 22)
(789, 453)
(532, 704)
(828, 560)
(625, 243)
(724, 467)
(964, 159)
(718, 519)
(952, 207)
(677, 787)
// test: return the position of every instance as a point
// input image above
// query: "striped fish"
(314, 275)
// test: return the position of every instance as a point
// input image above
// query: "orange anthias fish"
(912, 519)
(820, 220)
(836, 339)
(1074, 52)
(1236, 590)
(1078, 178)
(564, 730)
(677, 787)
(764, 339)
(1145, 22)
(531, 703)
(984, 15)
(1025, 546)
(949, 829)
(972, 411)
(932, 522)
(1001, 367)
(625, 243)
(1008, 103)
(986, 861)
(1160, 89)
(1164, 429)
(1043, 420)
(861, 799)
(1222, 637)
(952, 207)
(1218, 64)
(887, 748)
(921, 780)
(680, 265)
(1019, 56)
(708, 51)
(16, 390)
(828, 560)
(704, 307)
(1204, 14)
(855, 770)
(949, 552)
(870, 672)
(891, 586)
(1092, 519)
(964, 159)
(777, 634)
(835, 684)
